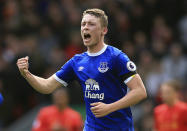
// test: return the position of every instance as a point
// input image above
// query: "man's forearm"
(42, 85)
(133, 97)
(38, 83)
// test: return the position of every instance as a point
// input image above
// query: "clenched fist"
(100, 109)
(23, 65)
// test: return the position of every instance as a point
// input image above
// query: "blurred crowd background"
(153, 33)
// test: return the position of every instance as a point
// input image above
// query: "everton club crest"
(103, 67)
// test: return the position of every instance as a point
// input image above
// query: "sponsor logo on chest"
(91, 87)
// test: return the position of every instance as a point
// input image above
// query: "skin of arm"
(136, 94)
(42, 85)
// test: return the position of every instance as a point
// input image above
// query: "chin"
(88, 44)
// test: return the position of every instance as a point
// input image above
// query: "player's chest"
(94, 67)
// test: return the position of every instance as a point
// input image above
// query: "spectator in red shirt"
(172, 115)
(58, 117)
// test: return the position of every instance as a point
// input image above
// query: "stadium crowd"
(153, 33)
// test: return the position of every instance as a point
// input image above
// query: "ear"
(105, 30)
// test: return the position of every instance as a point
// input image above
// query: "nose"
(85, 27)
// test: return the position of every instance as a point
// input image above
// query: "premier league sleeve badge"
(131, 66)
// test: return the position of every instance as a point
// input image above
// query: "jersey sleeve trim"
(60, 80)
(127, 75)
(128, 79)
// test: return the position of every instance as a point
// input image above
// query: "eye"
(92, 24)
(83, 24)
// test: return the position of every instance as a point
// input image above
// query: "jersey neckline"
(98, 53)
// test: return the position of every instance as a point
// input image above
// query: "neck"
(95, 48)
(60, 108)
(173, 102)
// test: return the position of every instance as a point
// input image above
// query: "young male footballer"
(104, 73)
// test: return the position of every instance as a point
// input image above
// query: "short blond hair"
(99, 14)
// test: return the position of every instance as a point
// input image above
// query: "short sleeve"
(65, 74)
(124, 67)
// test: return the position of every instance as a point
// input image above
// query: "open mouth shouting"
(87, 37)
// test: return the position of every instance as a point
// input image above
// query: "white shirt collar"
(98, 53)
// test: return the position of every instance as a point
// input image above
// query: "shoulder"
(78, 56)
(72, 113)
(160, 108)
(118, 55)
(47, 109)
(113, 50)
(182, 105)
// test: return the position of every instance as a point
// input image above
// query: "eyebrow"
(88, 22)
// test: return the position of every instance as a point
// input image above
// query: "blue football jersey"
(103, 77)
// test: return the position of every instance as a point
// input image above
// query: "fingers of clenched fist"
(22, 63)
(100, 109)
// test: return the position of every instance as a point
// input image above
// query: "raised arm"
(42, 85)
